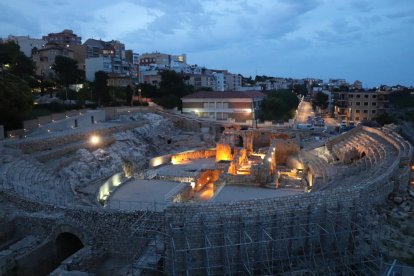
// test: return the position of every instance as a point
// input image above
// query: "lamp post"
(139, 95)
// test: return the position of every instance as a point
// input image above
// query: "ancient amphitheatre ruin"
(164, 193)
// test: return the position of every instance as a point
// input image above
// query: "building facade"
(234, 106)
(66, 38)
(44, 59)
(359, 106)
(27, 44)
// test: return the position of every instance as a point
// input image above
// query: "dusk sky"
(371, 41)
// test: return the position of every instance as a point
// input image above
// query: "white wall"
(93, 65)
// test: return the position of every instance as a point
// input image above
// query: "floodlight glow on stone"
(95, 139)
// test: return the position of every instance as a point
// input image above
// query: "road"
(303, 112)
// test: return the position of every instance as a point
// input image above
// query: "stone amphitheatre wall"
(108, 230)
(343, 205)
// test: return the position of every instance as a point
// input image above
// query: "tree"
(172, 89)
(320, 100)
(15, 61)
(15, 101)
(278, 105)
(101, 88)
(67, 70)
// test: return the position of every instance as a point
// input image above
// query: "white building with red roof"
(237, 106)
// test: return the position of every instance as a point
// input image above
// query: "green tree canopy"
(14, 60)
(278, 105)
(101, 88)
(172, 89)
(67, 70)
(15, 101)
(320, 100)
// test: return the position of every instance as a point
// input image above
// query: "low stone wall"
(109, 186)
(160, 160)
(193, 155)
(32, 146)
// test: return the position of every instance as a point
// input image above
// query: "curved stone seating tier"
(33, 180)
(381, 152)
(316, 164)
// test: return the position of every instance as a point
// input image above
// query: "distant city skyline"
(364, 40)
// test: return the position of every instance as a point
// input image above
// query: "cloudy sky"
(368, 40)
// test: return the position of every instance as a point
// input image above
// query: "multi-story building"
(236, 106)
(66, 38)
(359, 105)
(44, 58)
(233, 82)
(169, 61)
(199, 81)
(27, 44)
(96, 64)
(105, 56)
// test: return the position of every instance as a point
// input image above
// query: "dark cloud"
(279, 36)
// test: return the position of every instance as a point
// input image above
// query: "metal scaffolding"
(334, 243)
(271, 247)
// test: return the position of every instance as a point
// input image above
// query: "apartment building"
(107, 56)
(359, 105)
(66, 38)
(235, 106)
(27, 43)
(233, 82)
(44, 58)
(166, 60)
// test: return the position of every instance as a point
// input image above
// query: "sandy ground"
(229, 193)
(142, 194)
(188, 167)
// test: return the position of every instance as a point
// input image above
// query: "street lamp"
(139, 95)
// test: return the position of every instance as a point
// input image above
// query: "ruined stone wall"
(342, 205)
(108, 230)
(193, 155)
(284, 149)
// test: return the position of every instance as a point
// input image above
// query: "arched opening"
(66, 245)
(363, 154)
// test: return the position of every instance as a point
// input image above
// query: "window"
(358, 96)
(358, 103)
(365, 111)
(357, 118)
(205, 105)
(212, 105)
(374, 104)
(357, 111)
(366, 103)
(351, 96)
(225, 105)
(374, 96)
(366, 96)
(374, 111)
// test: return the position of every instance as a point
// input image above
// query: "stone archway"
(66, 244)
